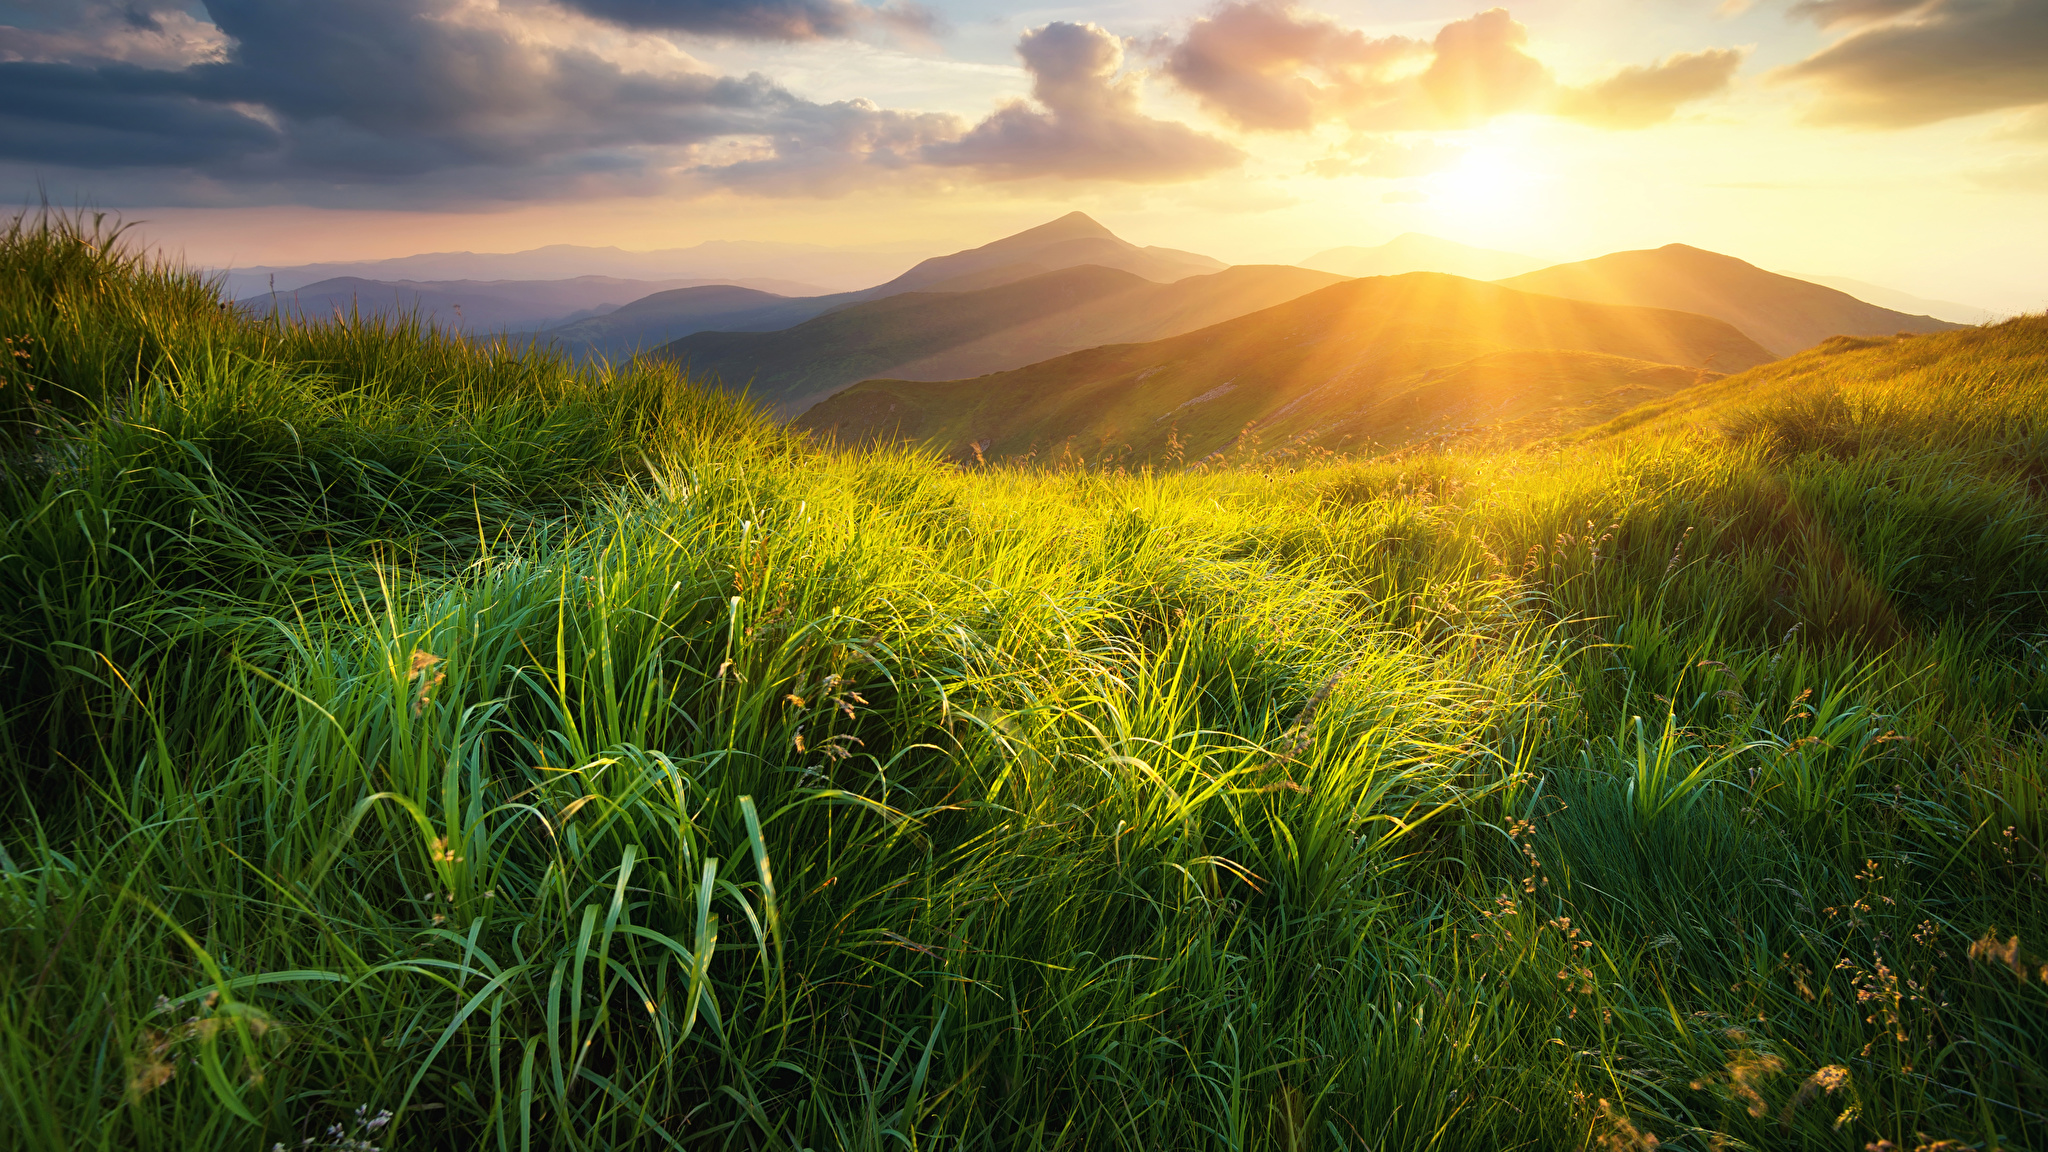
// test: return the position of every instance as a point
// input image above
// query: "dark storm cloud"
(63, 114)
(1090, 126)
(756, 19)
(439, 96)
(1938, 60)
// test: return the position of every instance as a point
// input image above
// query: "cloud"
(151, 35)
(1272, 65)
(1481, 71)
(1090, 126)
(2031, 126)
(756, 19)
(429, 99)
(1642, 96)
(1832, 13)
(1387, 158)
(2018, 174)
(1918, 63)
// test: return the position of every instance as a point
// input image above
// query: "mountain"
(1782, 314)
(941, 335)
(485, 306)
(652, 321)
(1329, 369)
(1414, 252)
(1074, 240)
(807, 268)
(1905, 302)
(1070, 241)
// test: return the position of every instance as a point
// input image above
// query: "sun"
(1501, 187)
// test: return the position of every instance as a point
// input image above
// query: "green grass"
(560, 759)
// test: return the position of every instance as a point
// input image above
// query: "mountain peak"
(1072, 226)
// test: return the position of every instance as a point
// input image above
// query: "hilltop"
(1072, 240)
(936, 335)
(1311, 369)
(1782, 314)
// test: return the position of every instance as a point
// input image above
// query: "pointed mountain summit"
(1068, 242)
(1782, 314)
(1415, 252)
(1072, 226)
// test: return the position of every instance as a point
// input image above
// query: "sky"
(1901, 142)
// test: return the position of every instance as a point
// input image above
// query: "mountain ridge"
(1784, 314)
(933, 335)
(1303, 368)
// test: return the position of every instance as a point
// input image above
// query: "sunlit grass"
(570, 760)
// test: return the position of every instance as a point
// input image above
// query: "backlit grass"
(562, 759)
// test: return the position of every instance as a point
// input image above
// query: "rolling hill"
(937, 335)
(653, 320)
(1876, 385)
(1782, 314)
(1330, 368)
(486, 306)
(1415, 252)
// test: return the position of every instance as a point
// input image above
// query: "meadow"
(420, 743)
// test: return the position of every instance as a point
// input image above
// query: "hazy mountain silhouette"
(1323, 368)
(941, 335)
(648, 323)
(805, 269)
(1897, 301)
(1068, 242)
(485, 306)
(1073, 240)
(1782, 314)
(1415, 252)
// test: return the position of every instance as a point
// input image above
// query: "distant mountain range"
(937, 335)
(1330, 368)
(490, 306)
(1414, 252)
(1074, 240)
(1067, 332)
(726, 261)
(1782, 314)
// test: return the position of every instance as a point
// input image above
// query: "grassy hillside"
(1327, 370)
(957, 329)
(1782, 314)
(576, 760)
